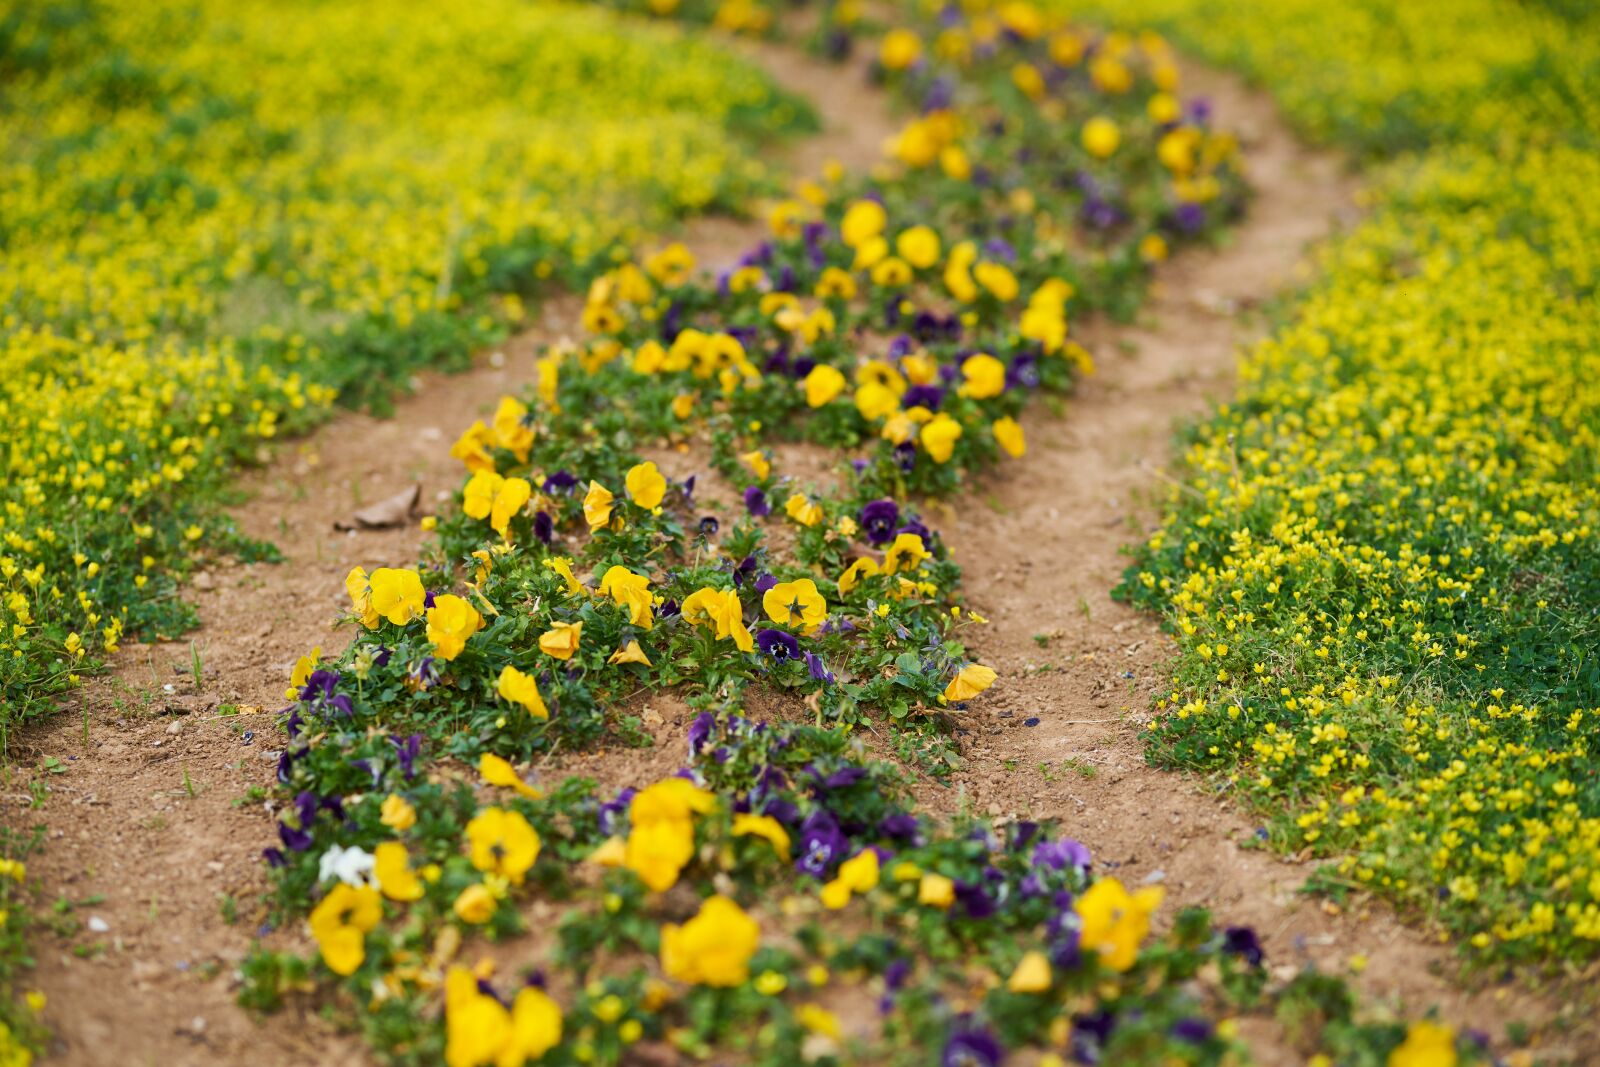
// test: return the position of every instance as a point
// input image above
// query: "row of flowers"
(630, 526)
(1383, 563)
(219, 220)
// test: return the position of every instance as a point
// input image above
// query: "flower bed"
(637, 524)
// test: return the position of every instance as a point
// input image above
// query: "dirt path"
(157, 820)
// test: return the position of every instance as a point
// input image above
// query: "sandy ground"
(158, 820)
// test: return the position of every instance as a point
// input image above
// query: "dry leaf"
(396, 510)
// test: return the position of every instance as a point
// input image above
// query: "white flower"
(352, 866)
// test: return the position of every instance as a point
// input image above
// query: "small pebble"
(1032, 720)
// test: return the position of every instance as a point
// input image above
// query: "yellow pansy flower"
(971, 680)
(901, 49)
(508, 501)
(863, 567)
(795, 603)
(482, 1032)
(340, 923)
(561, 640)
(672, 265)
(1008, 435)
(939, 436)
(983, 376)
(521, 688)
(397, 812)
(918, 246)
(631, 591)
(823, 384)
(1101, 137)
(471, 448)
(661, 835)
(857, 874)
(1032, 974)
(308, 663)
(907, 553)
(758, 464)
(713, 948)
(800, 508)
(935, 890)
(1115, 922)
(763, 826)
(1427, 1044)
(502, 843)
(863, 220)
(475, 904)
(998, 280)
(630, 653)
(646, 485)
(958, 272)
(597, 505)
(498, 771)
(392, 869)
(396, 594)
(451, 621)
(834, 282)
(563, 566)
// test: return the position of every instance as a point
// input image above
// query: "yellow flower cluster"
(217, 218)
(1394, 75)
(1384, 566)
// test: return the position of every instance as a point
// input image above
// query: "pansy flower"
(713, 948)
(451, 621)
(778, 645)
(878, 520)
(340, 923)
(502, 843)
(796, 603)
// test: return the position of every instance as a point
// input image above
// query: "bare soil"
(158, 820)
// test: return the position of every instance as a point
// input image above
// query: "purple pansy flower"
(1242, 941)
(821, 844)
(612, 811)
(970, 1045)
(778, 645)
(407, 750)
(1059, 855)
(878, 520)
(700, 732)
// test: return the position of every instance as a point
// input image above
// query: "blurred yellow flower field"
(219, 219)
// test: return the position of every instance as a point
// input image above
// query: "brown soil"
(152, 821)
